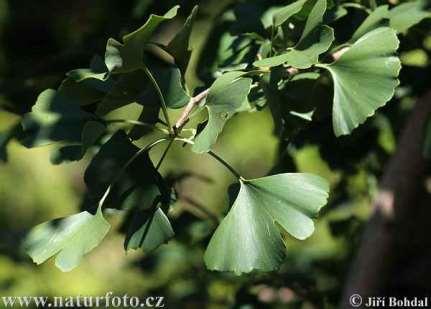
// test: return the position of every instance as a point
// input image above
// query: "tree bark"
(387, 236)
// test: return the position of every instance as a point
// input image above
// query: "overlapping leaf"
(148, 230)
(54, 117)
(249, 236)
(364, 78)
(91, 132)
(138, 189)
(69, 239)
(408, 14)
(400, 18)
(180, 47)
(226, 96)
(284, 14)
(315, 40)
(374, 20)
(128, 56)
(136, 87)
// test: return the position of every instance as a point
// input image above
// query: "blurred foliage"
(39, 41)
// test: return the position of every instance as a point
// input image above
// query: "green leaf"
(138, 185)
(87, 86)
(365, 77)
(150, 115)
(135, 87)
(373, 21)
(304, 55)
(128, 56)
(314, 19)
(91, 132)
(66, 154)
(69, 239)
(54, 117)
(249, 236)
(108, 163)
(284, 14)
(180, 47)
(168, 78)
(315, 40)
(148, 230)
(408, 14)
(225, 97)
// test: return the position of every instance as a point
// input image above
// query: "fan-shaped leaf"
(408, 14)
(54, 117)
(285, 13)
(126, 57)
(249, 237)
(365, 77)
(304, 55)
(373, 21)
(68, 238)
(226, 96)
(315, 40)
(148, 230)
(180, 47)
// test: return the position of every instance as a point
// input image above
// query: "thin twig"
(185, 115)
(160, 94)
(227, 165)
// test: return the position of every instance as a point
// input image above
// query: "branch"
(185, 115)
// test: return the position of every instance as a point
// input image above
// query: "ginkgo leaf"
(136, 87)
(87, 86)
(249, 236)
(285, 13)
(128, 56)
(364, 77)
(54, 117)
(226, 95)
(69, 239)
(315, 40)
(180, 47)
(91, 132)
(408, 14)
(314, 19)
(304, 55)
(373, 21)
(148, 230)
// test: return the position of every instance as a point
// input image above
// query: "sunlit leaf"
(69, 239)
(364, 78)
(284, 14)
(373, 21)
(128, 56)
(249, 236)
(314, 19)
(225, 97)
(408, 14)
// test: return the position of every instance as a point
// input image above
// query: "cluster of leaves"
(290, 54)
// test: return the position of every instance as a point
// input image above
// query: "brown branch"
(185, 115)
(391, 224)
